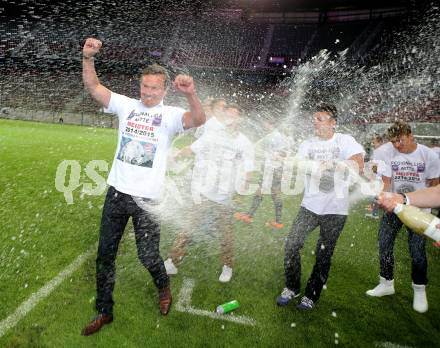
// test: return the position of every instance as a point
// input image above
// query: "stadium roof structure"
(43, 7)
(301, 5)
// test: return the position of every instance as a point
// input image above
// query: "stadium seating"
(41, 69)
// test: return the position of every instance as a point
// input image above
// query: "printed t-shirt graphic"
(144, 138)
(139, 141)
(409, 171)
(325, 199)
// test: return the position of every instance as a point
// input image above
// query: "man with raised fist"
(146, 129)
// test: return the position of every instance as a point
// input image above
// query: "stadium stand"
(240, 57)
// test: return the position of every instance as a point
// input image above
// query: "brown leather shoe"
(165, 300)
(96, 324)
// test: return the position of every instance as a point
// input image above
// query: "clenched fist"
(91, 47)
(184, 84)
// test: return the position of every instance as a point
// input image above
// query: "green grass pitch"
(40, 235)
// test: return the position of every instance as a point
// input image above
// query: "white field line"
(389, 345)
(45, 291)
(184, 298)
(184, 305)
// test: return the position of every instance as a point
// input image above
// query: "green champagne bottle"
(418, 220)
(227, 307)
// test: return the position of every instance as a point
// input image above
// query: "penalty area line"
(184, 305)
(43, 292)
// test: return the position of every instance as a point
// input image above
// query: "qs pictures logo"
(68, 175)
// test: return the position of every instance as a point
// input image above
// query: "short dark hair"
(156, 69)
(378, 137)
(327, 108)
(234, 106)
(398, 129)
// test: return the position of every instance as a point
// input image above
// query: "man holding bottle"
(408, 167)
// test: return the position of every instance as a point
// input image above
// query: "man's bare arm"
(91, 82)
(196, 116)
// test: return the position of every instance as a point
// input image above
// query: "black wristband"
(405, 198)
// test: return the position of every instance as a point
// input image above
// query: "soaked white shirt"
(144, 138)
(324, 194)
(221, 161)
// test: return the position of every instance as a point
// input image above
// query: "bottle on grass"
(227, 307)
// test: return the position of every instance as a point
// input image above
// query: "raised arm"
(91, 82)
(196, 116)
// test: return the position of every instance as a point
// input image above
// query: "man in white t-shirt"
(223, 159)
(146, 129)
(275, 147)
(408, 167)
(325, 204)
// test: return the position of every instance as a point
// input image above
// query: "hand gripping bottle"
(227, 307)
(418, 220)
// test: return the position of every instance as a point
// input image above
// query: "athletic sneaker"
(243, 217)
(384, 288)
(226, 274)
(286, 296)
(420, 301)
(170, 267)
(306, 304)
(371, 215)
(274, 224)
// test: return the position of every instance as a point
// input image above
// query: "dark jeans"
(331, 226)
(118, 208)
(388, 229)
(275, 192)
